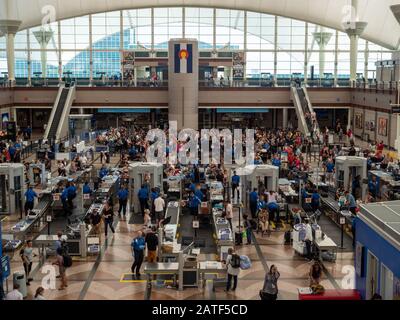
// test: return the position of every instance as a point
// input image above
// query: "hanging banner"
(238, 65)
(128, 63)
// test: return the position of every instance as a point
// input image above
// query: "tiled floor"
(99, 277)
(96, 278)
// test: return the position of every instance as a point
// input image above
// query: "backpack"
(235, 261)
(67, 261)
(245, 263)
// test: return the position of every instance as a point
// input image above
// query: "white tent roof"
(382, 26)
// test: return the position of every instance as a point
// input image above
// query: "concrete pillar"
(9, 28)
(183, 84)
(285, 118)
(322, 39)
(43, 37)
(354, 34)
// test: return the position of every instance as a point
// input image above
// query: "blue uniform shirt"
(194, 202)
(154, 195)
(199, 194)
(276, 162)
(86, 189)
(330, 166)
(138, 244)
(272, 206)
(262, 205)
(123, 194)
(315, 198)
(235, 179)
(30, 195)
(143, 193)
(71, 191)
(253, 196)
(103, 172)
(64, 194)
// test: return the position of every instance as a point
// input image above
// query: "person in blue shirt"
(198, 193)
(262, 204)
(351, 202)
(372, 186)
(86, 188)
(192, 187)
(315, 200)
(194, 203)
(253, 197)
(71, 194)
(123, 201)
(330, 169)
(30, 196)
(235, 181)
(132, 153)
(143, 196)
(137, 246)
(64, 200)
(273, 210)
(12, 150)
(103, 172)
(276, 161)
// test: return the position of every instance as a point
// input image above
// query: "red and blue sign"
(183, 56)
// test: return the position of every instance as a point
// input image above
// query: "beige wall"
(6, 97)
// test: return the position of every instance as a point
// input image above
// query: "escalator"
(57, 127)
(305, 113)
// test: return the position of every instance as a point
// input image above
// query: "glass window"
(199, 25)
(137, 29)
(106, 30)
(167, 25)
(229, 29)
(75, 33)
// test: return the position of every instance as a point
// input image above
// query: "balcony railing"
(212, 83)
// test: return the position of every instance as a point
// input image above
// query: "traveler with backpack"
(62, 262)
(233, 269)
(270, 288)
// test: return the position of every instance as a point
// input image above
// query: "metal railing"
(208, 83)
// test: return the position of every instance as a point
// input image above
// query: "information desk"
(334, 294)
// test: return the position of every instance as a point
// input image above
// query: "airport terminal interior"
(200, 150)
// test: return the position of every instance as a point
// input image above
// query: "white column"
(322, 39)
(10, 37)
(276, 51)
(43, 37)
(10, 28)
(306, 55)
(366, 58)
(354, 34)
(335, 81)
